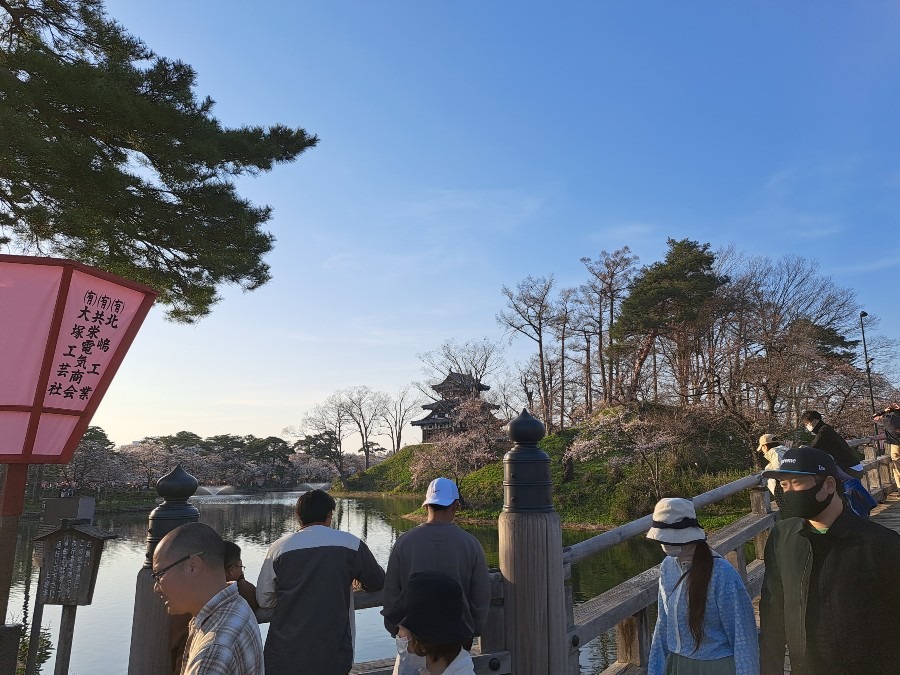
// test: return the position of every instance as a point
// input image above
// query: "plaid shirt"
(224, 638)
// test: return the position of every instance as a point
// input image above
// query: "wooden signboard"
(71, 562)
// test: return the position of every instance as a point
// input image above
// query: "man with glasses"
(234, 572)
(189, 573)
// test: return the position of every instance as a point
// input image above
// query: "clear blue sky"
(467, 144)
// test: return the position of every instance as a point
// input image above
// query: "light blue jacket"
(729, 626)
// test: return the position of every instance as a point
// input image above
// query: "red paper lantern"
(64, 330)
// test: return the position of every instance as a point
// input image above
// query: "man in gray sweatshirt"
(439, 545)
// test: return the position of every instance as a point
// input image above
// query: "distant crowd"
(827, 601)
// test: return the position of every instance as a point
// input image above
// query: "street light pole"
(862, 328)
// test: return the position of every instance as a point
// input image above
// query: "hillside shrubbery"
(611, 483)
(391, 475)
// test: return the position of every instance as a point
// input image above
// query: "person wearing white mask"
(827, 439)
(848, 461)
(434, 625)
(705, 624)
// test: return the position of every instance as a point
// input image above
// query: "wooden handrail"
(585, 549)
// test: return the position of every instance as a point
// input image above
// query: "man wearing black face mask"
(824, 594)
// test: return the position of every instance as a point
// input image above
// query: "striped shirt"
(223, 639)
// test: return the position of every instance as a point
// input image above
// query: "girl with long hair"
(705, 624)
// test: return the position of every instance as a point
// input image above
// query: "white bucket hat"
(675, 522)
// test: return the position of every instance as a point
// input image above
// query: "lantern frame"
(38, 407)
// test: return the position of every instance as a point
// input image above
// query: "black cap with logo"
(804, 461)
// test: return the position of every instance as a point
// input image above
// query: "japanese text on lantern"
(87, 335)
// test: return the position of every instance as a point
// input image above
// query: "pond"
(103, 629)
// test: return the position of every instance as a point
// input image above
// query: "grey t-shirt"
(439, 547)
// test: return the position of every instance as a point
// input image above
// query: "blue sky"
(465, 145)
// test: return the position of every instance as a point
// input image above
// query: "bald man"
(189, 573)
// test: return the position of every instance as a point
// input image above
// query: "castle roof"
(459, 382)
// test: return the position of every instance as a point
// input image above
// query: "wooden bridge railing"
(625, 606)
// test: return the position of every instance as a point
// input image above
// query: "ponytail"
(698, 588)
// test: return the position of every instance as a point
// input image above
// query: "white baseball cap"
(442, 492)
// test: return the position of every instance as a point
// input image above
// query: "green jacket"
(859, 604)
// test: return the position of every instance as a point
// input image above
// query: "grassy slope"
(392, 475)
(595, 496)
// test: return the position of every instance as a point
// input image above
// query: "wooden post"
(633, 639)
(573, 665)
(738, 560)
(12, 502)
(151, 648)
(34, 637)
(531, 562)
(884, 472)
(64, 644)
(760, 504)
(869, 452)
(493, 634)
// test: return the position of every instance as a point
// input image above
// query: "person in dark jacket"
(848, 460)
(827, 439)
(827, 592)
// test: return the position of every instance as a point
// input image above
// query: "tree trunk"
(545, 394)
(588, 384)
(562, 381)
(639, 360)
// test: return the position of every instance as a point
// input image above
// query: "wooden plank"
(741, 531)
(601, 613)
(497, 663)
(624, 669)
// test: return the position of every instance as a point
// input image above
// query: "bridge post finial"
(531, 557)
(151, 653)
(527, 486)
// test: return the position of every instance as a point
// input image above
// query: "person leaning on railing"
(890, 420)
(771, 451)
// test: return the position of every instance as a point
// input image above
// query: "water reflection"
(253, 522)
